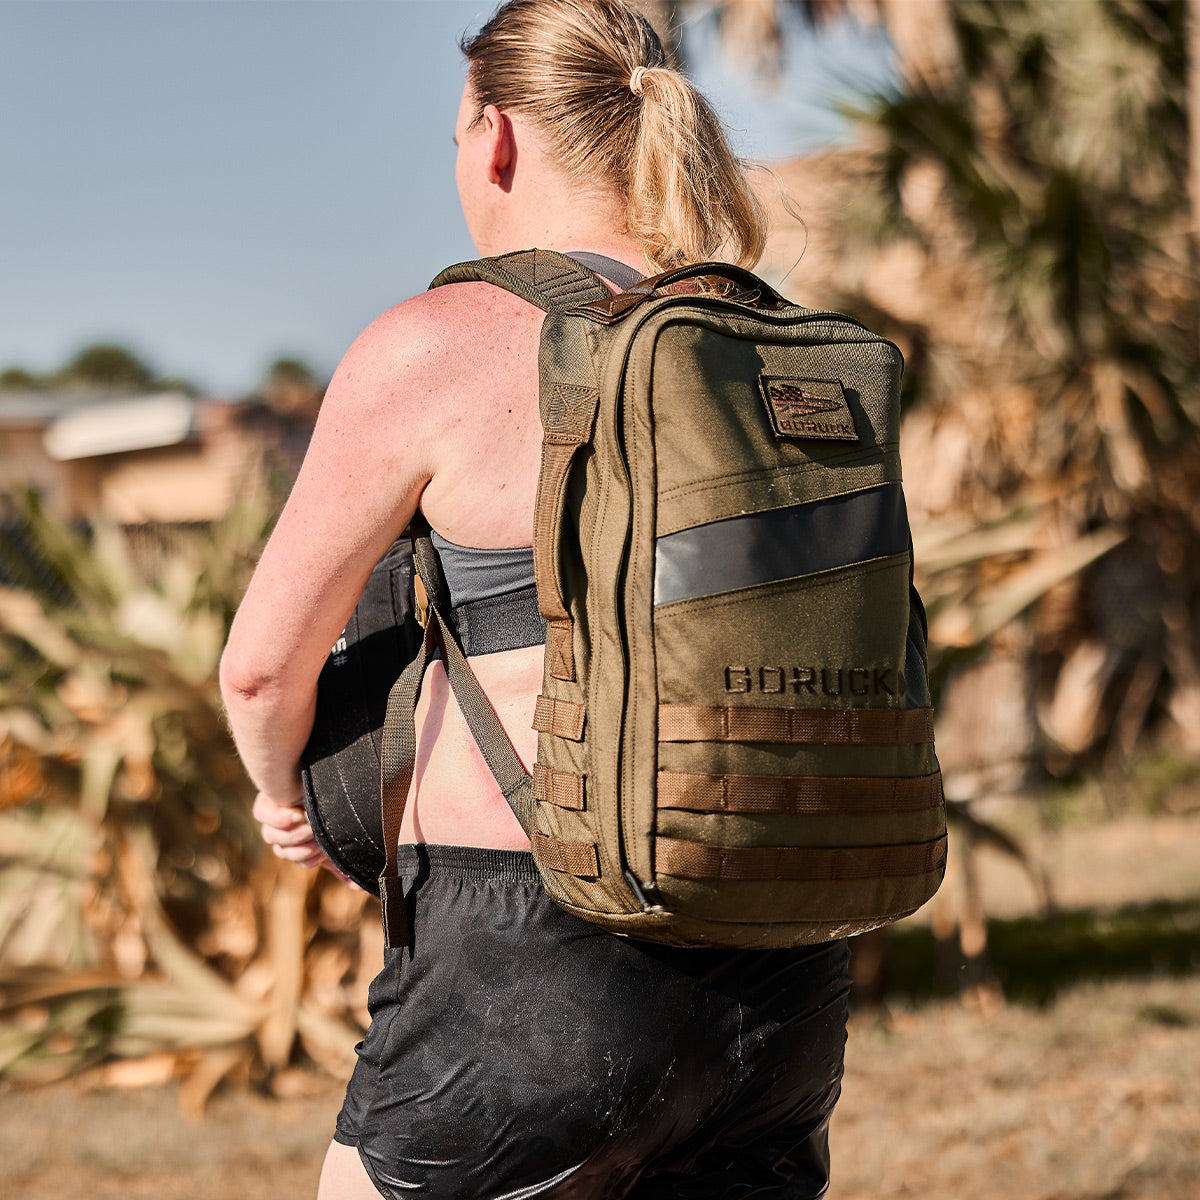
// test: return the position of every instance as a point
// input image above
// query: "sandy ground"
(1092, 1096)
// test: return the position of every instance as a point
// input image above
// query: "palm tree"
(1017, 219)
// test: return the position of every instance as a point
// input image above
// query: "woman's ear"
(500, 145)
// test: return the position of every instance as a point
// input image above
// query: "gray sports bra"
(493, 598)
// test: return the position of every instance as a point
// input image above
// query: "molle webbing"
(808, 795)
(813, 726)
(690, 860)
(563, 718)
(563, 789)
(575, 858)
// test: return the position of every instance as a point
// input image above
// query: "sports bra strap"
(623, 275)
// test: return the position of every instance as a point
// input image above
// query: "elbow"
(244, 684)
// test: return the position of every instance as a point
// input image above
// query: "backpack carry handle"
(614, 308)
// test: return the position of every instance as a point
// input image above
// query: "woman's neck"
(546, 209)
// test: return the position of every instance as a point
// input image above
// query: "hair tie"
(635, 80)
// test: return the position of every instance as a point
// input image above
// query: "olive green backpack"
(735, 737)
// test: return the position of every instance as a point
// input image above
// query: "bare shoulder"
(438, 326)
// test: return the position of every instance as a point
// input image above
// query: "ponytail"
(687, 194)
(593, 78)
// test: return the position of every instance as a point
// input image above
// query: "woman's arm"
(362, 478)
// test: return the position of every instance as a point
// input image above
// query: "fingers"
(286, 830)
(282, 824)
(310, 855)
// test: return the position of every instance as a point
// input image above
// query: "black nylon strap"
(505, 622)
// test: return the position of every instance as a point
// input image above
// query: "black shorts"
(516, 1051)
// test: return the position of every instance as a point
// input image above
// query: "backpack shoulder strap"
(399, 747)
(552, 281)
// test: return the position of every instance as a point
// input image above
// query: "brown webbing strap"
(689, 860)
(562, 718)
(399, 738)
(563, 789)
(556, 283)
(814, 726)
(494, 744)
(803, 795)
(550, 280)
(573, 858)
(552, 480)
(398, 753)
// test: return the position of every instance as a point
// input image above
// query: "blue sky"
(218, 183)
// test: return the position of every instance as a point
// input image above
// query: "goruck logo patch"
(808, 408)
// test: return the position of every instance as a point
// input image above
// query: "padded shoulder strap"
(546, 278)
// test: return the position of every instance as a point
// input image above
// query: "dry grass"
(1092, 1096)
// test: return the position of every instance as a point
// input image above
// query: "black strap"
(508, 621)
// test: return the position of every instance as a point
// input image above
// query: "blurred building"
(135, 459)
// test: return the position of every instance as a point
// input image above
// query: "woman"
(515, 1050)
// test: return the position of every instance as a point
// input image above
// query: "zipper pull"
(640, 890)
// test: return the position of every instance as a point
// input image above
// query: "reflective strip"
(689, 860)
(563, 789)
(562, 718)
(781, 544)
(814, 726)
(573, 858)
(805, 795)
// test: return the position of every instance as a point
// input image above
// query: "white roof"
(143, 423)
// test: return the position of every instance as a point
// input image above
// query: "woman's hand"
(286, 830)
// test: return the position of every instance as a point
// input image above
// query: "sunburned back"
(481, 494)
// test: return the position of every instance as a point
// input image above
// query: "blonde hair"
(594, 80)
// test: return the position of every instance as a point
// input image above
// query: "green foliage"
(100, 365)
(17, 379)
(107, 365)
(1034, 958)
(290, 370)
